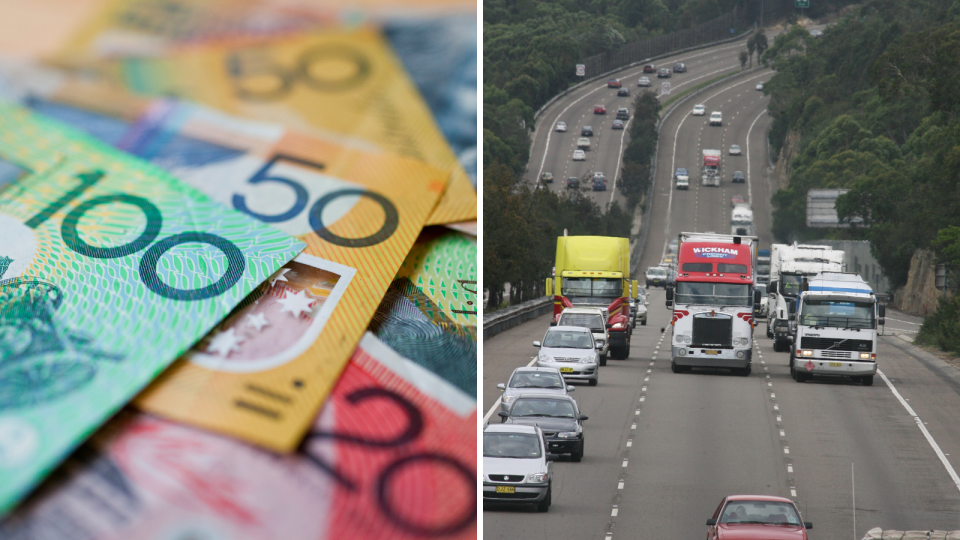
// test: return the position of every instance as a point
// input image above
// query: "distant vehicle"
(561, 126)
(816, 33)
(613, 83)
(579, 155)
(760, 85)
(716, 119)
(618, 124)
(699, 110)
(638, 312)
(600, 175)
(599, 109)
(532, 380)
(738, 177)
(572, 349)
(735, 150)
(762, 287)
(623, 92)
(558, 417)
(673, 246)
(682, 178)
(679, 68)
(763, 267)
(573, 182)
(583, 143)
(546, 178)
(741, 220)
(711, 167)
(644, 82)
(735, 200)
(754, 516)
(599, 184)
(667, 260)
(623, 113)
(664, 73)
(586, 131)
(649, 68)
(516, 466)
(656, 276)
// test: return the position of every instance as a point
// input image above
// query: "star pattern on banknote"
(257, 321)
(296, 303)
(225, 342)
(279, 276)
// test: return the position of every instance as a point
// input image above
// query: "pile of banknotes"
(238, 275)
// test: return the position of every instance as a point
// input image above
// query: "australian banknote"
(110, 268)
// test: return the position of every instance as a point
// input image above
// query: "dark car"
(586, 131)
(664, 73)
(573, 183)
(623, 113)
(599, 109)
(618, 124)
(557, 416)
(738, 177)
(649, 68)
(623, 92)
(613, 83)
(757, 516)
(546, 178)
(599, 184)
(679, 67)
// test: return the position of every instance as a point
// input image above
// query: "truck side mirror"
(804, 285)
(669, 296)
(882, 312)
(756, 298)
(553, 323)
(772, 287)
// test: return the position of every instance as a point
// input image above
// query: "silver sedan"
(572, 350)
(532, 380)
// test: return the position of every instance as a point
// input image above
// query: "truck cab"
(790, 264)
(837, 316)
(741, 220)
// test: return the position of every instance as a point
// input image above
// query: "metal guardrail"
(507, 318)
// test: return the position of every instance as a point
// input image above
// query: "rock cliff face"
(789, 151)
(919, 296)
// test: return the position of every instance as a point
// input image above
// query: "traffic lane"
(828, 426)
(899, 322)
(507, 351)
(702, 435)
(583, 492)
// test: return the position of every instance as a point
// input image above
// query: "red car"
(649, 68)
(613, 83)
(747, 517)
(599, 109)
(736, 199)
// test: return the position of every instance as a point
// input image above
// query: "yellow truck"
(594, 271)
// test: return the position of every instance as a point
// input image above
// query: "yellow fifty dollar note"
(330, 83)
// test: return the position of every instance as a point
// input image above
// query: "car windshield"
(536, 379)
(836, 313)
(511, 445)
(657, 271)
(568, 339)
(554, 408)
(723, 294)
(588, 290)
(583, 320)
(773, 513)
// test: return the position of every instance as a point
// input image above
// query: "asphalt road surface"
(662, 449)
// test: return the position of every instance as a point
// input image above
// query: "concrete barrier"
(507, 318)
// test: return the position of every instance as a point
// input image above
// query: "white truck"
(741, 220)
(789, 265)
(837, 318)
(711, 167)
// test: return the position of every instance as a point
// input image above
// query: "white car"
(579, 155)
(699, 110)
(735, 150)
(516, 466)
(583, 143)
(716, 118)
(595, 319)
(643, 82)
(760, 86)
(571, 350)
(561, 126)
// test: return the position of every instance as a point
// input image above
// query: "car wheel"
(643, 322)
(769, 331)
(776, 345)
(867, 380)
(577, 455)
(603, 359)
(545, 503)
(593, 382)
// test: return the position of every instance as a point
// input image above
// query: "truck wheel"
(801, 376)
(545, 503)
(769, 331)
(675, 368)
(867, 381)
(743, 372)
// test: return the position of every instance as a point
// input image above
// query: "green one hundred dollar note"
(110, 269)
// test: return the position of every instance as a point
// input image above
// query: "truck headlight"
(806, 352)
(567, 435)
(539, 478)
(864, 356)
(682, 352)
(740, 355)
(619, 326)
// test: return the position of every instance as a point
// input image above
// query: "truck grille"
(712, 331)
(836, 344)
(835, 354)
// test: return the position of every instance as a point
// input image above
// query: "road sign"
(665, 88)
(581, 70)
(801, 3)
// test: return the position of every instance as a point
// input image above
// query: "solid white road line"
(749, 184)
(616, 175)
(933, 443)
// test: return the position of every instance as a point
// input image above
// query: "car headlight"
(567, 435)
(806, 353)
(544, 357)
(537, 477)
(864, 356)
(507, 399)
(588, 359)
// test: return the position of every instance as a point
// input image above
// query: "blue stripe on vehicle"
(838, 289)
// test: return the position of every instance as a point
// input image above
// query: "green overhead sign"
(801, 3)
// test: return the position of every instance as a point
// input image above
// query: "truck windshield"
(722, 294)
(836, 313)
(583, 320)
(763, 268)
(592, 290)
(790, 284)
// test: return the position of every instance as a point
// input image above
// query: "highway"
(662, 449)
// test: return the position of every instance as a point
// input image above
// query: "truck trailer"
(711, 168)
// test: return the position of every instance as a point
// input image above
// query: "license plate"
(836, 364)
(711, 352)
(506, 489)
(566, 370)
